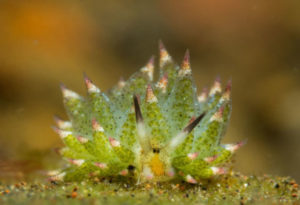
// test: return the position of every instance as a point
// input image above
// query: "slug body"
(151, 131)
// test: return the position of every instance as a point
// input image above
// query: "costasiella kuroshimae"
(148, 130)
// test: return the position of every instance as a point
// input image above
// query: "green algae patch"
(228, 189)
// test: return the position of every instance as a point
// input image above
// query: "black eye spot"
(131, 167)
(156, 150)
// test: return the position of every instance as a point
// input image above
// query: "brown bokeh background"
(256, 43)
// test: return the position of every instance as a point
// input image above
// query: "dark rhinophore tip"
(137, 109)
(193, 124)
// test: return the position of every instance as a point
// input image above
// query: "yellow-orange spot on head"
(156, 165)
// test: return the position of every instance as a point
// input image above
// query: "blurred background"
(256, 43)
